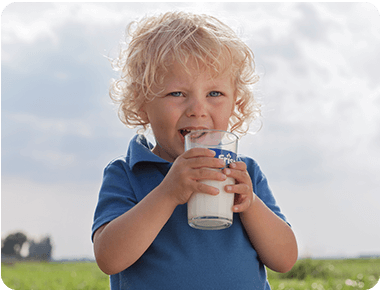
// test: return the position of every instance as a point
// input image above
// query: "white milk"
(212, 212)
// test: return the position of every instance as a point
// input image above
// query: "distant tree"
(41, 251)
(12, 244)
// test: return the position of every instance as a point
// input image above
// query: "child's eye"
(176, 94)
(215, 94)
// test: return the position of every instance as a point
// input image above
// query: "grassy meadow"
(345, 274)
(307, 274)
(54, 276)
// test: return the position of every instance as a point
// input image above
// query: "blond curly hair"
(157, 42)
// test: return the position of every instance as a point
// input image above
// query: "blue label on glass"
(228, 156)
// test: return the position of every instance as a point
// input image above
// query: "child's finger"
(241, 176)
(241, 166)
(207, 162)
(238, 188)
(242, 206)
(207, 174)
(206, 189)
(198, 152)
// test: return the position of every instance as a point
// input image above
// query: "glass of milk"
(207, 211)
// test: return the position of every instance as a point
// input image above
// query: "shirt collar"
(140, 151)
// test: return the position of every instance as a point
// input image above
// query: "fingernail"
(228, 188)
(227, 172)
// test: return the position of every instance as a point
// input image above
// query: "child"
(183, 72)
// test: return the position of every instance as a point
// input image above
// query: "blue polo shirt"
(180, 257)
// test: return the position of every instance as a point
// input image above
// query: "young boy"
(183, 72)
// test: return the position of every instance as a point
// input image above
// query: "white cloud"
(50, 158)
(54, 126)
(29, 21)
(326, 87)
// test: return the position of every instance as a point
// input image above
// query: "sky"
(319, 145)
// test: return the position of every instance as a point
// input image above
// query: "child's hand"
(186, 172)
(243, 188)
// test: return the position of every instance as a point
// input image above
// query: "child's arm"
(121, 242)
(118, 244)
(271, 237)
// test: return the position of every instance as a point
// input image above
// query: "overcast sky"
(319, 146)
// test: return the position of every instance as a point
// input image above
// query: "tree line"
(11, 247)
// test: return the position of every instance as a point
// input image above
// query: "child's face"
(188, 102)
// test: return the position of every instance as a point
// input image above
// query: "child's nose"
(196, 108)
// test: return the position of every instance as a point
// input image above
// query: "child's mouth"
(184, 132)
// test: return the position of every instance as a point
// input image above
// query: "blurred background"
(319, 146)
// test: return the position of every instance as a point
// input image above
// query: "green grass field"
(348, 274)
(54, 276)
(307, 274)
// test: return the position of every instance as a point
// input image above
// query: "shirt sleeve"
(261, 187)
(115, 196)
